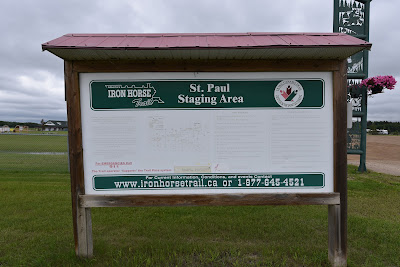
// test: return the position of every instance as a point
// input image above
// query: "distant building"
(377, 131)
(20, 128)
(382, 131)
(4, 129)
(53, 125)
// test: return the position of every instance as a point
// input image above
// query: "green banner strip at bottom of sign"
(209, 181)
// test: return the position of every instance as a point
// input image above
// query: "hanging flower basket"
(376, 90)
(375, 85)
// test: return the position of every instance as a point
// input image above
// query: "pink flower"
(379, 82)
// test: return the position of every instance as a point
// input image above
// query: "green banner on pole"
(352, 17)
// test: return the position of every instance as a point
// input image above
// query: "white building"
(53, 125)
(4, 129)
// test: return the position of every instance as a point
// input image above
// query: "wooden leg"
(337, 236)
(84, 240)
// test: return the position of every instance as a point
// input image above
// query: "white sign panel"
(207, 133)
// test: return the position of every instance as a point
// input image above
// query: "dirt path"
(383, 154)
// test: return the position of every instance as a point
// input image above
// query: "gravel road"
(383, 154)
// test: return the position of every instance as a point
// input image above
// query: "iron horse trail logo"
(143, 95)
(289, 93)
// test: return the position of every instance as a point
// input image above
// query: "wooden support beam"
(111, 66)
(338, 213)
(337, 256)
(86, 201)
(84, 237)
(81, 216)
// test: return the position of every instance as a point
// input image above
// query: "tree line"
(392, 127)
(12, 124)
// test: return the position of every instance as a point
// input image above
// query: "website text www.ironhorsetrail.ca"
(197, 181)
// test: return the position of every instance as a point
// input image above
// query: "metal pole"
(336, 16)
(363, 157)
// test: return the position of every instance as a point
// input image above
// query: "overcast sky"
(32, 82)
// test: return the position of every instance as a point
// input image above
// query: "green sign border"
(277, 176)
(158, 107)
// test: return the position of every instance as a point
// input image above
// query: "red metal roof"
(201, 40)
(65, 45)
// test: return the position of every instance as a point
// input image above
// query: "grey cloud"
(26, 24)
(385, 106)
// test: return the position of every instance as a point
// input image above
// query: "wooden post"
(84, 238)
(81, 216)
(337, 214)
(337, 256)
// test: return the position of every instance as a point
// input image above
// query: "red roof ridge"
(199, 34)
(202, 41)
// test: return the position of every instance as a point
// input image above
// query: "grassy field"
(33, 143)
(33, 162)
(36, 228)
(34, 153)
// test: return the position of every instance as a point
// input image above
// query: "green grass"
(36, 228)
(48, 132)
(16, 153)
(374, 218)
(33, 131)
(33, 143)
(34, 163)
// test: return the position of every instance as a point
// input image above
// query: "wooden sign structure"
(207, 119)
